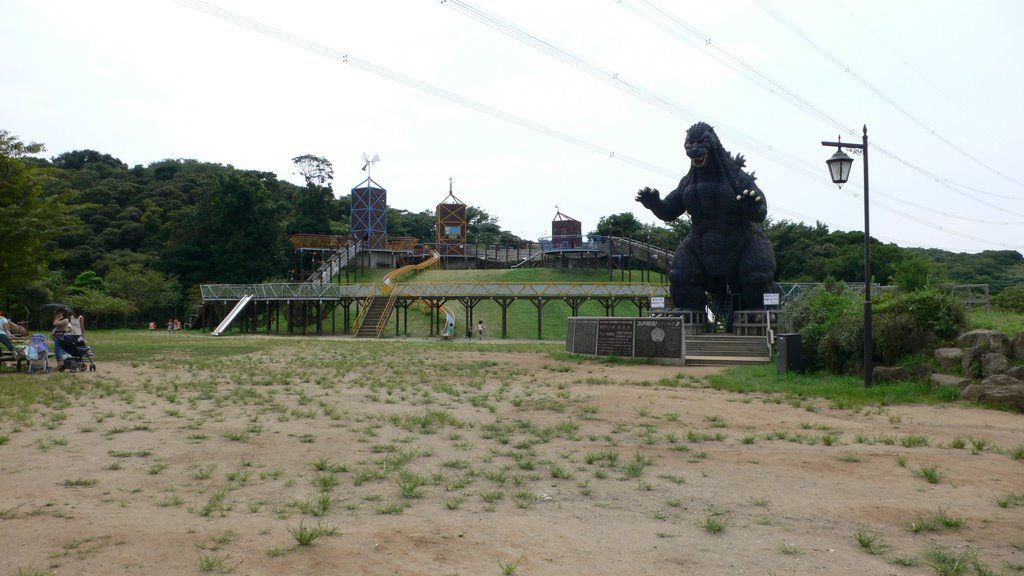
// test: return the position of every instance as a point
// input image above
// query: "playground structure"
(326, 266)
(336, 256)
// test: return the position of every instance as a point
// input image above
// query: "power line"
(935, 89)
(878, 92)
(346, 58)
(667, 104)
(683, 31)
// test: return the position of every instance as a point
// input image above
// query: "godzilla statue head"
(701, 141)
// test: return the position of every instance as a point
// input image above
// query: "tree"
(419, 225)
(100, 308)
(240, 233)
(481, 227)
(912, 273)
(316, 170)
(623, 224)
(149, 291)
(29, 217)
(88, 280)
(311, 212)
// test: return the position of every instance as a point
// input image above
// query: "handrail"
(338, 260)
(525, 260)
(320, 241)
(227, 292)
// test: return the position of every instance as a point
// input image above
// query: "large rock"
(882, 374)
(970, 362)
(921, 371)
(1018, 346)
(1016, 372)
(990, 340)
(994, 363)
(949, 359)
(998, 389)
(937, 380)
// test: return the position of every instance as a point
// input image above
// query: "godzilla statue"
(726, 254)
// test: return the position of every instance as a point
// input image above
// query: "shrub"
(897, 335)
(932, 309)
(829, 319)
(1010, 299)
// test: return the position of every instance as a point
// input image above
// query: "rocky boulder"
(993, 363)
(937, 380)
(1016, 372)
(886, 374)
(970, 362)
(998, 389)
(1018, 346)
(921, 371)
(949, 359)
(989, 340)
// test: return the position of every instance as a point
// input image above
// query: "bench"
(6, 358)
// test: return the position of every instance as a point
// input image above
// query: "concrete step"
(726, 360)
(726, 350)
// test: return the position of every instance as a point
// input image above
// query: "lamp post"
(839, 169)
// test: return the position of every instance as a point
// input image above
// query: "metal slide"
(232, 315)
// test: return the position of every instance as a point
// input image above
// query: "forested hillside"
(135, 242)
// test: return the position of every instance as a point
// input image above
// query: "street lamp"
(839, 169)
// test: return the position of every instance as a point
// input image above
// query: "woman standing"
(76, 323)
(61, 326)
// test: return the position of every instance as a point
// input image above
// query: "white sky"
(155, 79)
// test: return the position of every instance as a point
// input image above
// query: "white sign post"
(771, 299)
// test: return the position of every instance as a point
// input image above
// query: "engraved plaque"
(659, 338)
(615, 337)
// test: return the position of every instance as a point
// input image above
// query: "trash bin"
(790, 349)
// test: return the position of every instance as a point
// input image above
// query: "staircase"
(335, 264)
(652, 255)
(726, 350)
(194, 319)
(376, 314)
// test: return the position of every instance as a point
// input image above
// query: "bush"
(829, 319)
(1010, 299)
(897, 335)
(934, 310)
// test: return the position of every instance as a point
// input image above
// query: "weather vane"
(368, 163)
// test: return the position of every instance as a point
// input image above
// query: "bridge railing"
(215, 292)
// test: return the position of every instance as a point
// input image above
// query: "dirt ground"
(528, 465)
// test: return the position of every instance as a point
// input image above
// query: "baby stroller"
(78, 356)
(38, 353)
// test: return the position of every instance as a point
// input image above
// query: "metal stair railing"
(647, 252)
(367, 304)
(523, 262)
(335, 264)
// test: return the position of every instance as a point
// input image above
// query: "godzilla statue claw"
(727, 254)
